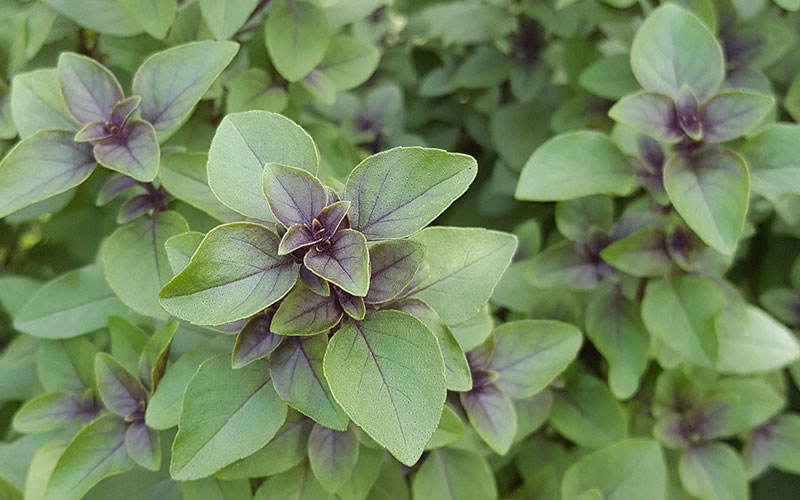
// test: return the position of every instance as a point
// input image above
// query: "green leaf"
(772, 157)
(297, 38)
(586, 413)
(225, 17)
(255, 89)
(103, 16)
(642, 254)
(66, 365)
(568, 264)
(303, 312)
(75, 303)
(650, 113)
(491, 413)
(134, 152)
(226, 415)
(120, 391)
(180, 249)
(164, 407)
(633, 468)
(154, 16)
(388, 374)
(90, 90)
(755, 401)
(786, 443)
(573, 165)
(681, 312)
(45, 164)
(320, 87)
(349, 62)
(673, 48)
(529, 354)
(366, 471)
(393, 264)
(294, 195)
(398, 192)
(96, 452)
(449, 474)
(450, 429)
(212, 488)
(609, 77)
(466, 262)
(755, 343)
(242, 145)
(184, 176)
(344, 263)
(171, 82)
(711, 191)
(576, 218)
(614, 326)
(296, 368)
(37, 103)
(255, 340)
(235, 273)
(127, 342)
(153, 361)
(713, 471)
(143, 445)
(731, 114)
(47, 412)
(332, 455)
(41, 467)
(135, 261)
(298, 483)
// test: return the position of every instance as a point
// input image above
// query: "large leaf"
(529, 354)
(673, 48)
(387, 373)
(756, 343)
(90, 90)
(773, 158)
(297, 37)
(650, 113)
(103, 16)
(349, 62)
(294, 195)
(633, 468)
(398, 192)
(450, 474)
(227, 414)
(573, 165)
(38, 104)
(492, 415)
(711, 191)
(43, 165)
(466, 262)
(296, 368)
(235, 273)
(171, 82)
(154, 16)
(225, 17)
(713, 471)
(184, 176)
(729, 115)
(332, 455)
(75, 303)
(255, 340)
(586, 413)
(66, 365)
(242, 145)
(344, 263)
(96, 452)
(135, 261)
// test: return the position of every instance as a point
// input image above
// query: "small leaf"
(573, 165)
(568, 264)
(393, 265)
(255, 341)
(164, 407)
(180, 249)
(772, 157)
(643, 253)
(610, 77)
(47, 412)
(121, 392)
(713, 471)
(297, 37)
(332, 455)
(388, 375)
(786, 443)
(255, 89)
(650, 113)
(66, 365)
(710, 190)
(90, 90)
(127, 343)
(451, 474)
(349, 62)
(353, 306)
(297, 483)
(171, 82)
(450, 430)
(297, 236)
(398, 192)
(586, 413)
(294, 195)
(297, 372)
(492, 415)
(314, 282)
(225, 17)
(344, 263)
(303, 312)
(235, 273)
(729, 115)
(134, 152)
(226, 415)
(143, 445)
(577, 219)
(153, 361)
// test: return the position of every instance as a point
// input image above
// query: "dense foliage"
(374, 249)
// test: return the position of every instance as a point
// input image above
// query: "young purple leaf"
(121, 392)
(650, 113)
(143, 445)
(345, 262)
(332, 216)
(393, 265)
(492, 415)
(352, 305)
(729, 115)
(714, 418)
(314, 282)
(153, 361)
(303, 312)
(689, 113)
(255, 340)
(296, 237)
(124, 109)
(133, 150)
(134, 207)
(90, 90)
(114, 186)
(294, 195)
(93, 131)
(332, 456)
(672, 431)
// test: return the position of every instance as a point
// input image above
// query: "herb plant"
(248, 254)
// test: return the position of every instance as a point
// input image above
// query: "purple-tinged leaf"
(672, 431)
(133, 151)
(331, 217)
(353, 306)
(124, 109)
(296, 370)
(393, 265)
(714, 418)
(297, 236)
(729, 115)
(303, 312)
(689, 114)
(294, 195)
(59, 164)
(650, 113)
(93, 131)
(255, 341)
(113, 187)
(47, 412)
(134, 207)
(642, 254)
(143, 445)
(332, 456)
(90, 90)
(493, 416)
(685, 248)
(345, 262)
(398, 192)
(121, 392)
(314, 282)
(153, 361)
(569, 264)
(171, 82)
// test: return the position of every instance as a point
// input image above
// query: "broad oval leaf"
(184, 176)
(303, 312)
(242, 145)
(393, 264)
(713, 471)
(297, 483)
(121, 392)
(134, 152)
(756, 343)
(47, 412)
(143, 445)
(586, 413)
(38, 104)
(164, 407)
(180, 249)
(398, 192)
(731, 114)
(154, 16)
(573, 165)
(235, 273)
(492, 414)
(452, 474)
(171, 82)
(773, 158)
(711, 191)
(225, 17)
(90, 90)
(650, 113)
(387, 373)
(297, 37)
(294, 195)
(345, 262)
(332, 456)
(226, 415)
(349, 62)
(255, 340)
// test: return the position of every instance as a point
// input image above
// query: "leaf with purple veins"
(331, 217)
(492, 415)
(332, 456)
(345, 262)
(294, 195)
(90, 90)
(303, 312)
(255, 340)
(143, 445)
(393, 264)
(296, 237)
(132, 151)
(121, 392)
(352, 305)
(314, 282)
